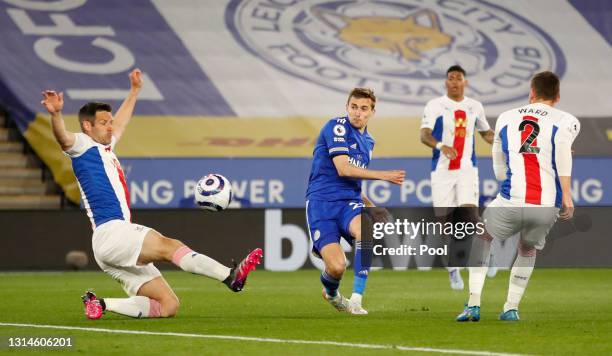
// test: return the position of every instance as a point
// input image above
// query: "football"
(213, 192)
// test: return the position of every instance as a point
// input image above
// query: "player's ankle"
(356, 298)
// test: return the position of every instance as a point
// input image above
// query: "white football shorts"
(455, 188)
(116, 246)
(503, 219)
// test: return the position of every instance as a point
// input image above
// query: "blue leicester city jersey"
(338, 137)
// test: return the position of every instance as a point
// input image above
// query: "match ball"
(213, 192)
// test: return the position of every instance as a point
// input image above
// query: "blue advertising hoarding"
(275, 182)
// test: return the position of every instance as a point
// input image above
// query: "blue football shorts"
(328, 221)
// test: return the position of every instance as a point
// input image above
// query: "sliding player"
(124, 250)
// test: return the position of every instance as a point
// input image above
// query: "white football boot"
(354, 306)
(339, 302)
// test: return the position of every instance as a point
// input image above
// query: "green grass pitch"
(564, 311)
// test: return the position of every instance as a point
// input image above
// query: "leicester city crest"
(400, 48)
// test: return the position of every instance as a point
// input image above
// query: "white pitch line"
(271, 340)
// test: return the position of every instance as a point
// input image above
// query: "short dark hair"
(455, 68)
(89, 110)
(546, 85)
(361, 93)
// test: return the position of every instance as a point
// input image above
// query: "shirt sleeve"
(498, 155)
(568, 130)
(567, 133)
(481, 120)
(335, 136)
(429, 117)
(81, 144)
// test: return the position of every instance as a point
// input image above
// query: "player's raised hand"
(52, 101)
(449, 152)
(395, 176)
(136, 79)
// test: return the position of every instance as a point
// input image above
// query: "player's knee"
(169, 307)
(336, 268)
(526, 250)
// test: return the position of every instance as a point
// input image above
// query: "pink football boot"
(239, 273)
(93, 308)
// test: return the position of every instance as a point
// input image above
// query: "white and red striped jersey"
(104, 190)
(453, 124)
(530, 138)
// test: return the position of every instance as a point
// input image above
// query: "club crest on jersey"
(400, 48)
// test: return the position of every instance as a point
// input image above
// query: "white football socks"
(476, 283)
(481, 252)
(136, 307)
(519, 277)
(197, 263)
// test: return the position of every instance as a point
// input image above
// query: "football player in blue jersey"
(334, 200)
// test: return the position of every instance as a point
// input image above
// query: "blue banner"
(87, 48)
(259, 182)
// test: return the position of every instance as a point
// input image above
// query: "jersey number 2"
(529, 138)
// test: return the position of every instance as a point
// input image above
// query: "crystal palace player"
(448, 128)
(532, 155)
(334, 199)
(124, 250)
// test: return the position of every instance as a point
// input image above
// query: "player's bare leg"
(160, 248)
(159, 290)
(335, 265)
(361, 266)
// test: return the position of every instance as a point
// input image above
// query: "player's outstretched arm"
(54, 103)
(345, 169)
(428, 140)
(125, 111)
